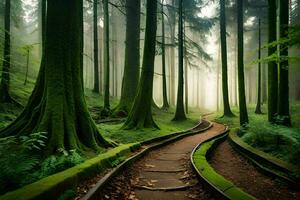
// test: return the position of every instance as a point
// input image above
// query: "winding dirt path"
(163, 174)
(243, 174)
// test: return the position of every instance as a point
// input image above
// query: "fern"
(57, 163)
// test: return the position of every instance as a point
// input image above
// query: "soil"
(163, 174)
(230, 164)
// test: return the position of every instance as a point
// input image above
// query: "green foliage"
(18, 160)
(57, 163)
(280, 141)
(277, 140)
(21, 163)
(35, 141)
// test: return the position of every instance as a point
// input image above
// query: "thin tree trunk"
(165, 105)
(27, 66)
(258, 103)
(179, 113)
(185, 70)
(96, 49)
(226, 105)
(283, 100)
(106, 56)
(272, 65)
(218, 79)
(242, 98)
(172, 56)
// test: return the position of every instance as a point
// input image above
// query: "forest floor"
(36, 168)
(236, 168)
(280, 141)
(165, 173)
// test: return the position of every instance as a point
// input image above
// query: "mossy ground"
(163, 120)
(21, 93)
(280, 141)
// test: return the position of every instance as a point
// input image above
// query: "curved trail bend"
(163, 174)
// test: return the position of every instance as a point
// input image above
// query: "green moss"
(279, 141)
(236, 193)
(215, 179)
(163, 120)
(53, 186)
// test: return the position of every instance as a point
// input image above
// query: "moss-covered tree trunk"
(132, 56)
(180, 113)
(96, 49)
(272, 65)
(258, 103)
(57, 105)
(140, 115)
(165, 105)
(106, 55)
(226, 105)
(283, 96)
(241, 82)
(4, 85)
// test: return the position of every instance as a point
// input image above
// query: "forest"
(149, 99)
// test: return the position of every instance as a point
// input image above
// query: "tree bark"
(180, 113)
(132, 56)
(140, 115)
(272, 65)
(106, 56)
(258, 103)
(241, 80)
(283, 96)
(57, 105)
(96, 48)
(172, 19)
(226, 105)
(165, 105)
(27, 66)
(4, 85)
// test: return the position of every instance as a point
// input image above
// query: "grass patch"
(163, 120)
(279, 141)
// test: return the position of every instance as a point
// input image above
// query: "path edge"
(94, 192)
(265, 162)
(222, 188)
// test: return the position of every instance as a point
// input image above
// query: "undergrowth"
(22, 163)
(280, 141)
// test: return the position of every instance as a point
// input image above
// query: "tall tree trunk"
(96, 49)
(186, 100)
(172, 19)
(4, 85)
(242, 98)
(264, 83)
(27, 66)
(272, 65)
(132, 56)
(57, 105)
(140, 115)
(258, 103)
(165, 105)
(179, 113)
(283, 97)
(218, 78)
(226, 105)
(106, 55)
